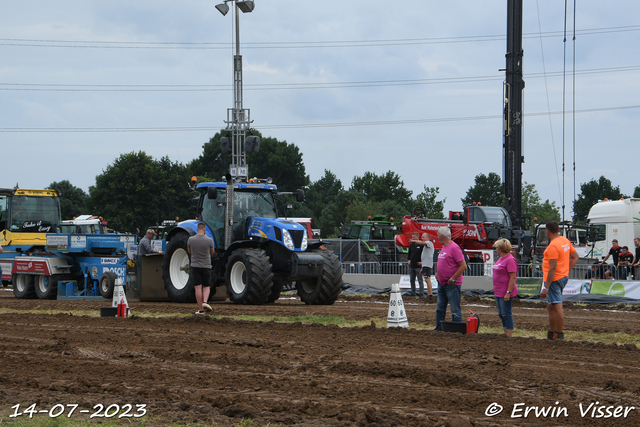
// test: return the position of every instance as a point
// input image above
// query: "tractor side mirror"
(212, 193)
(300, 195)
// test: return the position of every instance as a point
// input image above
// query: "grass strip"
(619, 338)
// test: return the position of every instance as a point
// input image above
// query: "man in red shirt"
(615, 253)
(625, 259)
(559, 258)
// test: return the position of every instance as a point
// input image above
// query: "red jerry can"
(473, 323)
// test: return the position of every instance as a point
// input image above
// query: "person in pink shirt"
(451, 265)
(505, 274)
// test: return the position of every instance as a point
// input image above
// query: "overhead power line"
(299, 125)
(108, 44)
(286, 86)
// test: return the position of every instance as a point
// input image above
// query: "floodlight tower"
(238, 118)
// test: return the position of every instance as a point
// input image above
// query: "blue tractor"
(257, 253)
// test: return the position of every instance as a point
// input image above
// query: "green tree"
(427, 201)
(211, 165)
(334, 214)
(73, 200)
(636, 192)
(590, 193)
(385, 187)
(276, 159)
(487, 190)
(361, 209)
(321, 193)
(137, 191)
(539, 212)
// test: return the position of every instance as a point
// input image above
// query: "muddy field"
(206, 371)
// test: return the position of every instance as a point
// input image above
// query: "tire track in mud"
(189, 369)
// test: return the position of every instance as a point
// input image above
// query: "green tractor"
(377, 240)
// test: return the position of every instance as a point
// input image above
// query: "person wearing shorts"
(201, 248)
(427, 261)
(559, 258)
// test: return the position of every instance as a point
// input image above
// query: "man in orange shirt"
(559, 258)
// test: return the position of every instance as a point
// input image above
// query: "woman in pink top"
(505, 273)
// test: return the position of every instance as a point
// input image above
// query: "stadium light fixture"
(246, 6)
(223, 8)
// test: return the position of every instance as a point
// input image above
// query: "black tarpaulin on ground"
(349, 289)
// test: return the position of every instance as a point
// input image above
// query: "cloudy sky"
(414, 87)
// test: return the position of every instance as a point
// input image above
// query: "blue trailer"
(74, 266)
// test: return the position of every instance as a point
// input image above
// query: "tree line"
(137, 191)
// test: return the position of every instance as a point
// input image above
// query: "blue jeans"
(448, 294)
(504, 312)
(554, 294)
(413, 272)
(622, 272)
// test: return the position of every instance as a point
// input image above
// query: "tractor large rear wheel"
(249, 277)
(23, 286)
(326, 290)
(176, 269)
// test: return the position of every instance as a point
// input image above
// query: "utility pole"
(513, 116)
(238, 118)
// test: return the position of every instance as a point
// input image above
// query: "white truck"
(577, 235)
(614, 219)
(84, 224)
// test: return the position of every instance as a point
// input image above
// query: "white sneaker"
(206, 306)
(199, 312)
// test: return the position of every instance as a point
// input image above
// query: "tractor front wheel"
(326, 290)
(249, 277)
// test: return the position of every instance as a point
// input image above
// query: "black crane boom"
(513, 117)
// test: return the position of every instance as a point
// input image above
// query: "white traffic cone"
(120, 299)
(397, 315)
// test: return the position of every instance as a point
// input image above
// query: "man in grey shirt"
(201, 248)
(427, 260)
(144, 247)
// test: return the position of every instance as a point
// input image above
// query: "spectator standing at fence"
(625, 259)
(559, 258)
(427, 261)
(451, 265)
(201, 248)
(415, 261)
(505, 274)
(636, 259)
(613, 252)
